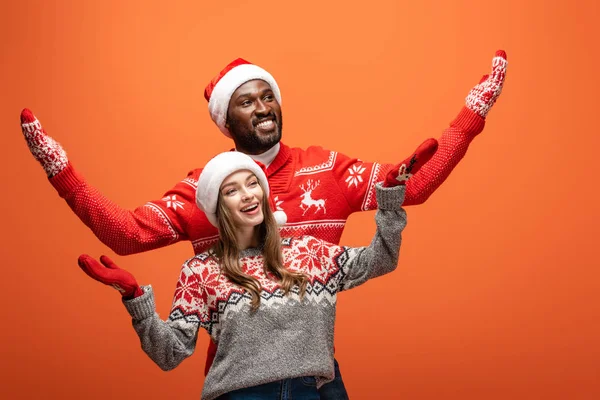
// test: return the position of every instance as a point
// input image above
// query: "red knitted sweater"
(317, 188)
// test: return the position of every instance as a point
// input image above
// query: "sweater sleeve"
(170, 342)
(452, 148)
(155, 224)
(359, 264)
(356, 180)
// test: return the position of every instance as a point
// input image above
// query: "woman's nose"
(246, 195)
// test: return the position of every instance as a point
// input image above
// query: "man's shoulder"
(191, 179)
(312, 149)
(317, 159)
(194, 173)
(313, 154)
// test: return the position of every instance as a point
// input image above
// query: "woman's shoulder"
(202, 260)
(304, 241)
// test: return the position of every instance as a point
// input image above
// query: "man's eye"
(246, 103)
(268, 97)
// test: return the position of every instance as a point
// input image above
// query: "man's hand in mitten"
(483, 96)
(46, 150)
(109, 274)
(400, 173)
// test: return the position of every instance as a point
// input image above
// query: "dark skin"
(254, 118)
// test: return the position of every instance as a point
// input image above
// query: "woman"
(268, 303)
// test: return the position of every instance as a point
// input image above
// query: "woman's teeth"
(249, 208)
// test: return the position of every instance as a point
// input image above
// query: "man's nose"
(262, 107)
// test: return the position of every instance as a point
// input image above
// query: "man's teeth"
(265, 124)
(250, 208)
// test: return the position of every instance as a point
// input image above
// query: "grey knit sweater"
(286, 337)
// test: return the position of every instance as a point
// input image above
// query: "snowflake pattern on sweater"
(204, 294)
(288, 336)
(347, 185)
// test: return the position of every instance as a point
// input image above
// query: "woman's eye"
(253, 183)
(230, 192)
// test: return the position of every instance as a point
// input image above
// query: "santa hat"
(219, 168)
(219, 91)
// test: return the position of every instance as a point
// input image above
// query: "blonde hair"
(226, 250)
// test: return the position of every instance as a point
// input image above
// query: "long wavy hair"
(226, 250)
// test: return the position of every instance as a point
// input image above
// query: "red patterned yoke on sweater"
(288, 336)
(318, 189)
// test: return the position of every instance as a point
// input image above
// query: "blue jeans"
(304, 388)
(334, 390)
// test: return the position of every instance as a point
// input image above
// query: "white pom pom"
(280, 217)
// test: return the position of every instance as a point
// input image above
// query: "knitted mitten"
(46, 150)
(110, 274)
(483, 96)
(400, 173)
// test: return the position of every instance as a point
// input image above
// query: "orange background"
(496, 296)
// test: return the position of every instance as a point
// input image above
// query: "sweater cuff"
(390, 198)
(143, 306)
(469, 122)
(66, 180)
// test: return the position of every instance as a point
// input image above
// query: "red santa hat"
(219, 168)
(220, 89)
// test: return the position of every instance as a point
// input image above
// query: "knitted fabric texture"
(317, 188)
(47, 151)
(287, 336)
(345, 184)
(483, 96)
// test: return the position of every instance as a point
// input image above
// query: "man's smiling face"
(254, 117)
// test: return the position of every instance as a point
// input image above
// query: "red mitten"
(46, 150)
(407, 168)
(111, 275)
(483, 96)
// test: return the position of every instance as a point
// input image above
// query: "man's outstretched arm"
(155, 224)
(455, 140)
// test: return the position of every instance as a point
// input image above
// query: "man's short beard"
(249, 141)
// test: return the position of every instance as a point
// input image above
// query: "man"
(318, 189)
